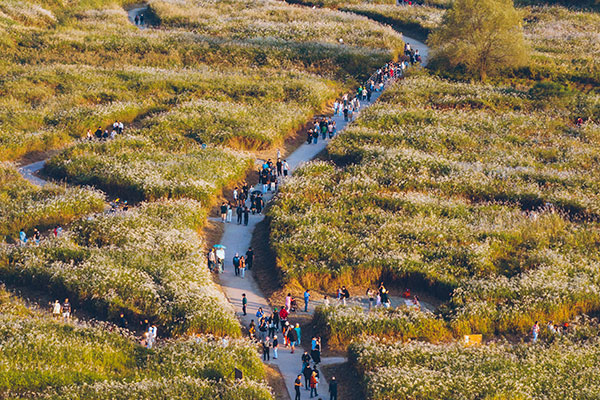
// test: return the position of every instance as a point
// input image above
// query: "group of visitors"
(268, 328)
(36, 237)
(553, 329)
(117, 129)
(216, 257)
(412, 54)
(63, 310)
(324, 127)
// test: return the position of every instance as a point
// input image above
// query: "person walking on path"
(229, 211)
(286, 169)
(306, 299)
(212, 260)
(244, 303)
(297, 386)
(292, 338)
(333, 389)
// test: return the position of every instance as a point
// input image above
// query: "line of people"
(117, 129)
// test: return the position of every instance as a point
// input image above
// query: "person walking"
(286, 169)
(212, 260)
(297, 386)
(244, 303)
(292, 337)
(306, 298)
(333, 389)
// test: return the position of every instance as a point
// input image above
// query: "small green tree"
(481, 35)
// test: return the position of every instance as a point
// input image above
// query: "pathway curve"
(29, 172)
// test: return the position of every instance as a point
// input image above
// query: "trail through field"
(29, 172)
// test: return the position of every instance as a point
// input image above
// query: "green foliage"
(484, 36)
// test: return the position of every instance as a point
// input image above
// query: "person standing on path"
(223, 212)
(297, 386)
(286, 169)
(306, 298)
(249, 258)
(244, 303)
(275, 347)
(333, 389)
(56, 309)
(229, 211)
(246, 216)
(266, 350)
(236, 264)
(292, 338)
(314, 381)
(240, 213)
(298, 334)
(307, 372)
(242, 267)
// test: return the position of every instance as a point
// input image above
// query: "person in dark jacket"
(333, 389)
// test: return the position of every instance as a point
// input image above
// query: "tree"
(484, 36)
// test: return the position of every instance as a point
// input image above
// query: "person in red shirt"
(283, 315)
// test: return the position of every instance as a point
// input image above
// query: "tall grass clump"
(43, 358)
(145, 263)
(564, 369)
